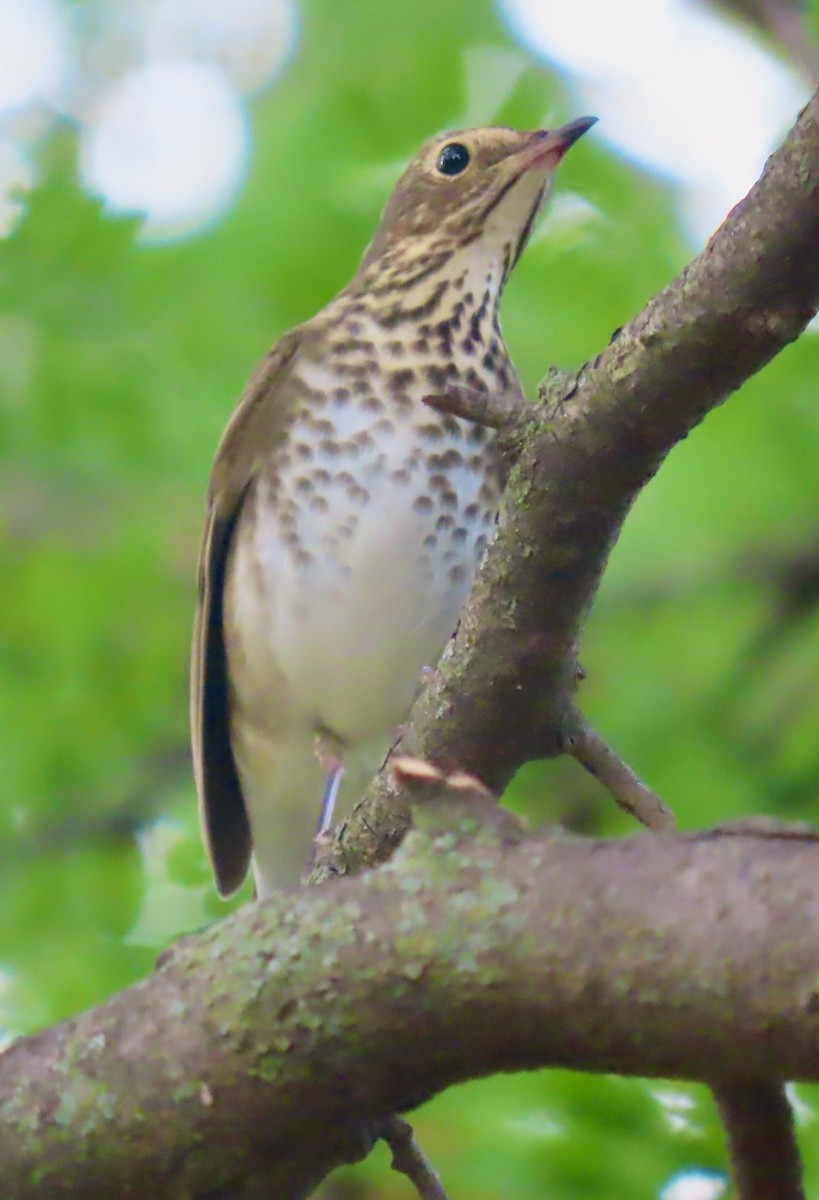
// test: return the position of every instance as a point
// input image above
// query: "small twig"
(628, 790)
(409, 1160)
(489, 409)
(452, 803)
(764, 1155)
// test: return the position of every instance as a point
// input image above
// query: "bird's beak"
(546, 147)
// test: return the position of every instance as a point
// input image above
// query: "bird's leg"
(329, 752)
(328, 799)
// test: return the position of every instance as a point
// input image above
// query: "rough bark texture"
(253, 1060)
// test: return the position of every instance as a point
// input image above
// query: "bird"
(345, 516)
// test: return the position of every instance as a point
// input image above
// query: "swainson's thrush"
(346, 517)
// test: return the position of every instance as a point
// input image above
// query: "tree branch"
(270, 1048)
(409, 1160)
(628, 790)
(764, 1155)
(482, 408)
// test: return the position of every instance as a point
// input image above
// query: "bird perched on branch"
(346, 517)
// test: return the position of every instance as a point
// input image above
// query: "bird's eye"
(453, 159)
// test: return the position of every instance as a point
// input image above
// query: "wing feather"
(259, 422)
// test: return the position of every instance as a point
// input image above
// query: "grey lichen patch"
(268, 1068)
(86, 1107)
(185, 1091)
(500, 895)
(627, 363)
(351, 912)
(556, 387)
(411, 917)
(409, 860)
(445, 815)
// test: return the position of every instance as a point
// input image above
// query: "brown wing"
(254, 429)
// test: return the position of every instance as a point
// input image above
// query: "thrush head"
(482, 185)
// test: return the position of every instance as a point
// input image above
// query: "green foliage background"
(119, 364)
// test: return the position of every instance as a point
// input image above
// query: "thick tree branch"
(504, 688)
(271, 1047)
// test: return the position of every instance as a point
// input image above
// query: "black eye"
(453, 159)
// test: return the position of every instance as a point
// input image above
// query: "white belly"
(361, 590)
